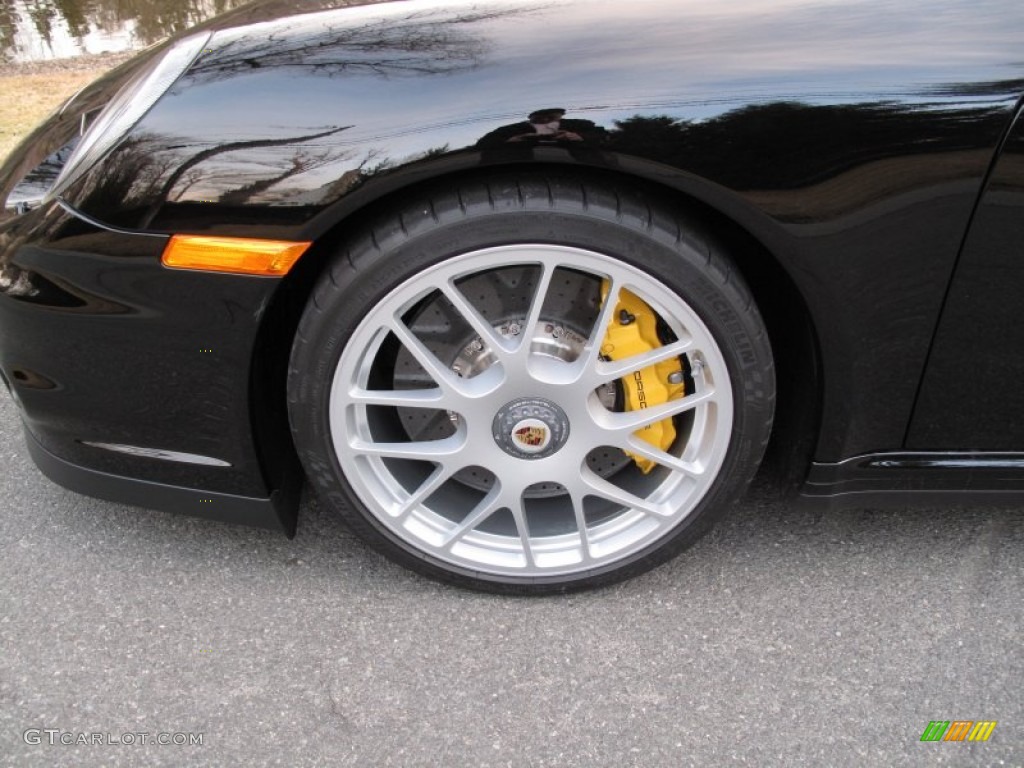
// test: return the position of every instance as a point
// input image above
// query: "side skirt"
(918, 479)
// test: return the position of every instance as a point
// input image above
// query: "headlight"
(128, 106)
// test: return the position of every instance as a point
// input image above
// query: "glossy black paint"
(102, 344)
(972, 397)
(842, 149)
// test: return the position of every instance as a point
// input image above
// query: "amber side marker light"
(241, 255)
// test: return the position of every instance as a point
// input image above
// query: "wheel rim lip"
(482, 553)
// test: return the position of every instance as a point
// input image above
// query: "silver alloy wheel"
(474, 497)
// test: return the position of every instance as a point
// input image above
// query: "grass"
(28, 99)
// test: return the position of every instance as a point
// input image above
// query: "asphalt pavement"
(786, 637)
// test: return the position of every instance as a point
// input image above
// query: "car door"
(972, 394)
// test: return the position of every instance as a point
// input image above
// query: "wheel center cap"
(530, 428)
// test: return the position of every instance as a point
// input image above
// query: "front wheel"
(531, 384)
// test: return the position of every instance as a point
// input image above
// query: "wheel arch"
(741, 230)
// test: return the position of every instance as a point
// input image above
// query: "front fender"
(851, 141)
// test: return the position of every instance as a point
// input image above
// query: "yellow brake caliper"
(632, 331)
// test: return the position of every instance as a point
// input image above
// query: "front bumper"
(103, 346)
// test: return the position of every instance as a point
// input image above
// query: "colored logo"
(531, 436)
(958, 730)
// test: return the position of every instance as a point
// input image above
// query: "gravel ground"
(786, 637)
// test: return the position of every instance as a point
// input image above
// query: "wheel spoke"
(581, 523)
(665, 459)
(486, 507)
(422, 450)
(480, 325)
(438, 371)
(605, 370)
(536, 306)
(591, 352)
(436, 479)
(399, 398)
(598, 486)
(630, 421)
(519, 514)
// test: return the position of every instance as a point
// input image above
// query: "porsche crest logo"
(531, 436)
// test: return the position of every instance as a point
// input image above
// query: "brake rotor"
(504, 297)
(549, 339)
(633, 330)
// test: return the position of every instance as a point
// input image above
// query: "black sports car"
(526, 288)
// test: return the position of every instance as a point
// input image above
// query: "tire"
(483, 438)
